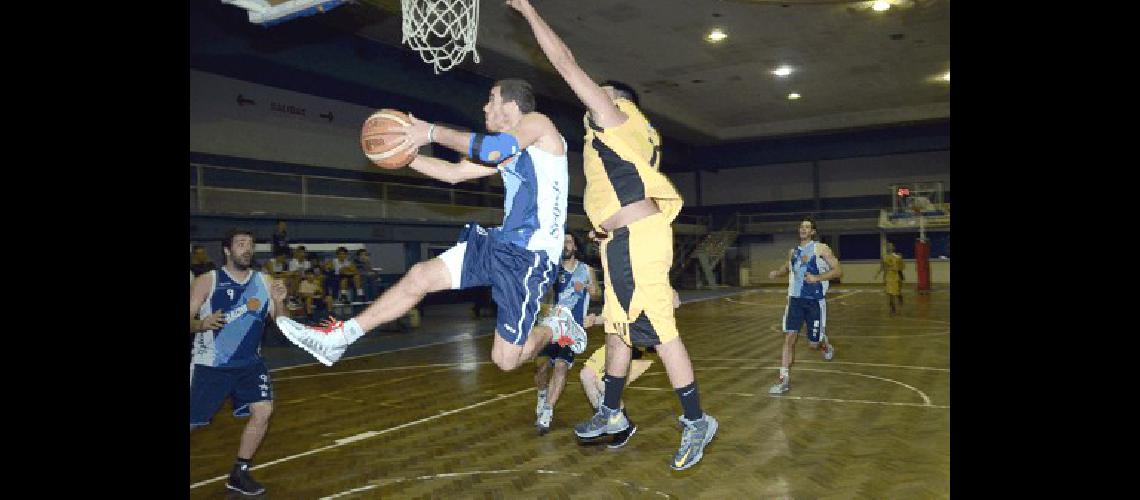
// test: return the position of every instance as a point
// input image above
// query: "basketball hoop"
(442, 31)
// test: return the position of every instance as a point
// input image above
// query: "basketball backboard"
(270, 12)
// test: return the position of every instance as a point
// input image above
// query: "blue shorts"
(810, 311)
(209, 387)
(556, 352)
(518, 278)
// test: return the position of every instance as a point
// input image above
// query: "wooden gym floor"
(441, 421)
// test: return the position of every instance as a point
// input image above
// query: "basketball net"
(441, 31)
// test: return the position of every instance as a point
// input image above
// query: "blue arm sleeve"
(493, 147)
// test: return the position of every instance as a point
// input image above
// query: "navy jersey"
(576, 301)
(246, 306)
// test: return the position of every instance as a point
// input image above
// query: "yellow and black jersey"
(622, 166)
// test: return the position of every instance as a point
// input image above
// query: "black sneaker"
(621, 438)
(241, 482)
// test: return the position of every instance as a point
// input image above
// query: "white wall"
(872, 175)
(264, 131)
(778, 182)
(388, 256)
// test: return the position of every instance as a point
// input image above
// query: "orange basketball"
(385, 149)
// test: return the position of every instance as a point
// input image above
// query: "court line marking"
(694, 359)
(925, 398)
(376, 483)
(777, 329)
(881, 365)
(389, 368)
(811, 398)
(465, 336)
(370, 434)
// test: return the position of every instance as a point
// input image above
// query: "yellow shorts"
(893, 287)
(639, 299)
(597, 362)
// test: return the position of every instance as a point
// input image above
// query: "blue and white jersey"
(576, 301)
(534, 209)
(246, 306)
(806, 259)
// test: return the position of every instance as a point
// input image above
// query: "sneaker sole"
(289, 335)
(599, 433)
(614, 446)
(701, 454)
(246, 493)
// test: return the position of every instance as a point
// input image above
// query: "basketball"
(384, 148)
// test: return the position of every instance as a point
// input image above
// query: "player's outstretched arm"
(451, 173)
(602, 109)
(828, 256)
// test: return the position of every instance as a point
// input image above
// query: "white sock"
(352, 330)
(542, 393)
(784, 373)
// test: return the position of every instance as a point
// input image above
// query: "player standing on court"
(228, 309)
(809, 266)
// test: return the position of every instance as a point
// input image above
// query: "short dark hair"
(814, 226)
(623, 90)
(228, 238)
(360, 251)
(341, 249)
(517, 91)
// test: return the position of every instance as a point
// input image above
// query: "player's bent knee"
(261, 410)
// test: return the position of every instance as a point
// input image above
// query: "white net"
(441, 31)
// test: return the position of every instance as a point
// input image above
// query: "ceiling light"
(716, 35)
(793, 96)
(880, 5)
(782, 71)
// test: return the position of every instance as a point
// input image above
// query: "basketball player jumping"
(633, 203)
(516, 260)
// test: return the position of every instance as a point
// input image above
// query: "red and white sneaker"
(325, 342)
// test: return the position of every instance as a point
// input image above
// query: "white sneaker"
(829, 351)
(540, 405)
(570, 329)
(782, 386)
(326, 342)
(543, 421)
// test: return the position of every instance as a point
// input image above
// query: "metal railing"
(231, 190)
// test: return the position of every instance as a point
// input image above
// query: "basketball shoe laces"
(329, 325)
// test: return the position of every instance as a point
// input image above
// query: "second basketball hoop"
(441, 31)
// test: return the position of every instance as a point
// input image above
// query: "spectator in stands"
(345, 269)
(368, 274)
(278, 265)
(300, 261)
(312, 288)
(200, 262)
(281, 239)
